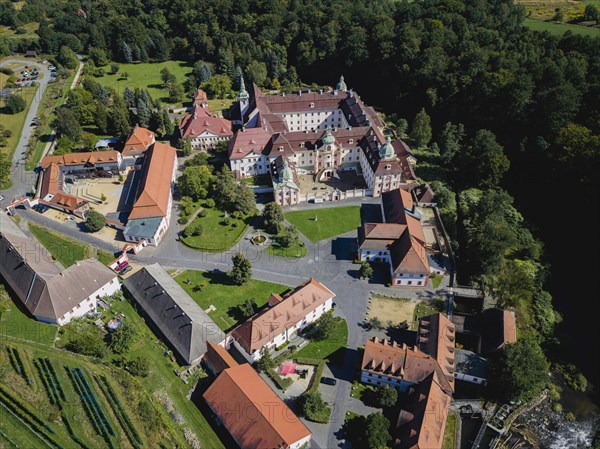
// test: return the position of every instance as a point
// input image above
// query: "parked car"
(127, 269)
(328, 381)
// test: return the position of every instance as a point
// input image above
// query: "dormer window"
(301, 144)
(312, 105)
(280, 148)
(350, 141)
(388, 167)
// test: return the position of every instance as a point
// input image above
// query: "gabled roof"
(50, 191)
(424, 194)
(248, 141)
(154, 190)
(437, 335)
(138, 141)
(186, 327)
(85, 158)
(499, 328)
(200, 122)
(217, 358)
(263, 327)
(45, 290)
(252, 413)
(409, 256)
(422, 420)
(402, 362)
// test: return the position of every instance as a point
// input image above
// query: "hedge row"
(120, 412)
(92, 406)
(281, 382)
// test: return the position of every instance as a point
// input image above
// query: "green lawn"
(213, 288)
(561, 28)
(293, 251)
(323, 223)
(436, 280)
(428, 307)
(146, 76)
(326, 348)
(15, 122)
(16, 325)
(258, 180)
(359, 389)
(67, 251)
(450, 432)
(216, 236)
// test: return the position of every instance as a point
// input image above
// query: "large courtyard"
(344, 181)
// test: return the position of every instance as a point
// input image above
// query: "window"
(280, 148)
(409, 282)
(301, 144)
(351, 141)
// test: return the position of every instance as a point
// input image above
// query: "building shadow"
(344, 248)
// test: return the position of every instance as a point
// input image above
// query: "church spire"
(243, 95)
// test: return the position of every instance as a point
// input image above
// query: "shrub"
(15, 104)
(557, 407)
(210, 203)
(202, 213)
(94, 221)
(183, 220)
(570, 417)
(139, 367)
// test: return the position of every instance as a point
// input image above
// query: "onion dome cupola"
(328, 138)
(286, 172)
(341, 85)
(386, 151)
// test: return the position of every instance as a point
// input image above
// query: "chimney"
(283, 94)
(300, 93)
(321, 91)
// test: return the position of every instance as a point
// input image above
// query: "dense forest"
(508, 118)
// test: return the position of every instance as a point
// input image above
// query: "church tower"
(244, 100)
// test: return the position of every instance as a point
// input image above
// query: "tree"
(483, 160)
(366, 271)
(386, 396)
(94, 221)
(143, 114)
(194, 229)
(118, 117)
(5, 166)
(242, 269)
(450, 140)
(559, 15)
(66, 124)
(88, 140)
(67, 58)
(312, 405)
(98, 55)
(591, 13)
(265, 363)
(257, 72)
(186, 146)
(273, 217)
(248, 308)
(15, 104)
(421, 128)
(121, 339)
(168, 125)
(89, 342)
(139, 367)
(129, 97)
(126, 53)
(377, 432)
(195, 181)
(114, 68)
(244, 200)
(202, 72)
(219, 86)
(176, 92)
(521, 371)
(167, 77)
(325, 327)
(545, 317)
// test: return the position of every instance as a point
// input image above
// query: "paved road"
(23, 181)
(329, 261)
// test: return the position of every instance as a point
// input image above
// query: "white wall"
(90, 303)
(468, 378)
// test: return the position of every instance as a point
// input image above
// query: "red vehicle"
(28, 78)
(122, 265)
(19, 80)
(26, 66)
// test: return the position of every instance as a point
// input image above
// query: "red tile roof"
(245, 142)
(138, 141)
(153, 198)
(262, 328)
(217, 358)
(437, 335)
(200, 121)
(84, 158)
(251, 412)
(422, 420)
(402, 362)
(51, 185)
